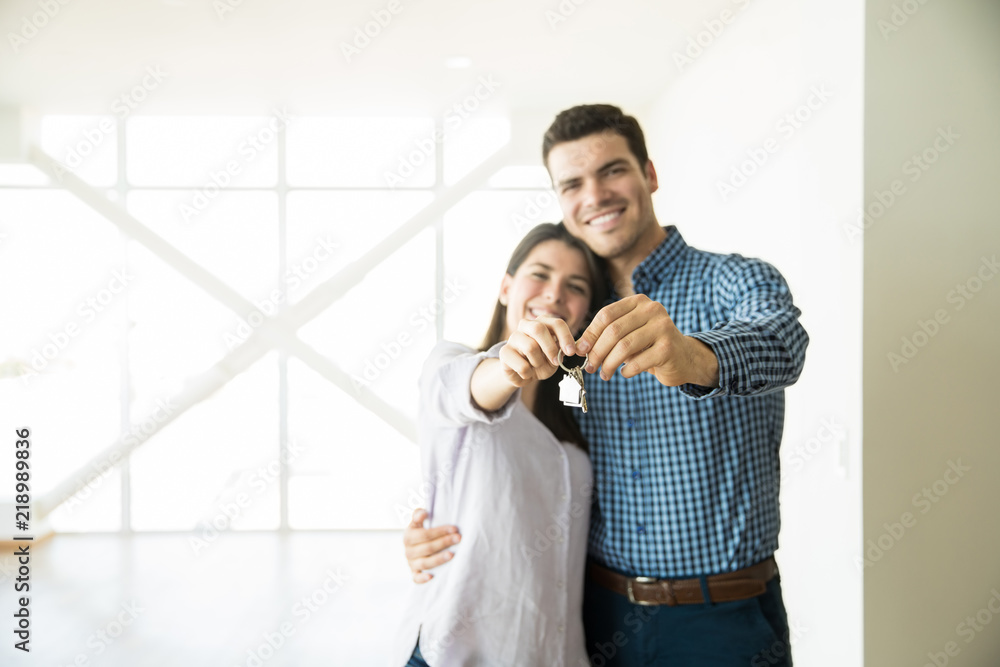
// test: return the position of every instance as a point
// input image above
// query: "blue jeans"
(744, 633)
(416, 660)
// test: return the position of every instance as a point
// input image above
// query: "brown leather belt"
(739, 585)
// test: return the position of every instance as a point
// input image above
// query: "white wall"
(935, 560)
(729, 104)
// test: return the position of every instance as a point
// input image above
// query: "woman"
(506, 462)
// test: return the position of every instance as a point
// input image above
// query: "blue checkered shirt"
(686, 478)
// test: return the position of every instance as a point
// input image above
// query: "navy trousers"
(744, 633)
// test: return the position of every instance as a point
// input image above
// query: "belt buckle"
(641, 580)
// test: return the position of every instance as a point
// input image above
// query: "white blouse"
(513, 593)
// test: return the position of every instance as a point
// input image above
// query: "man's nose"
(594, 192)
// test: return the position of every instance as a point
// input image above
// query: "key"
(571, 390)
(578, 374)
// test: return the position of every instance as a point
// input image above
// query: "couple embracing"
(643, 531)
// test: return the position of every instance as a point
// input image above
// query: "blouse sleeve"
(445, 386)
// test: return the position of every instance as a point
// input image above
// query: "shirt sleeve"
(445, 386)
(759, 343)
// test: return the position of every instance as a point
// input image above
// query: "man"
(684, 437)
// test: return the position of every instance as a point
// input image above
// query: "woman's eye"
(578, 289)
(540, 275)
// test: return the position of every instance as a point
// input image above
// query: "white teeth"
(607, 217)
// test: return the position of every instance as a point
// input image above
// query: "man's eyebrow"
(566, 181)
(613, 163)
(604, 167)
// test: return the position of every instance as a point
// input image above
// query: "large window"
(315, 435)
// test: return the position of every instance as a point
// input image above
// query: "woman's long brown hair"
(548, 408)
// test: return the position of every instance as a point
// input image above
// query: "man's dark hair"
(587, 119)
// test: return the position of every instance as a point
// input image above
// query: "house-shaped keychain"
(570, 392)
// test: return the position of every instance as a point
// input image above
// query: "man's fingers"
(605, 316)
(426, 547)
(430, 562)
(647, 360)
(631, 346)
(585, 343)
(617, 343)
(417, 520)
(430, 547)
(417, 537)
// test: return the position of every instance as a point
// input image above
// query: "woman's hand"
(532, 352)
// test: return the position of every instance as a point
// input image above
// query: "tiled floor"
(152, 600)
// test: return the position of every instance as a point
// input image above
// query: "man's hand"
(425, 548)
(637, 332)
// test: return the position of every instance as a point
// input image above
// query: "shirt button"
(630, 423)
(560, 540)
(635, 474)
(562, 497)
(560, 584)
(561, 628)
(641, 529)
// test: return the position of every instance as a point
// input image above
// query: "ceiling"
(246, 56)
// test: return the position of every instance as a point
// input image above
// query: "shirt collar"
(661, 263)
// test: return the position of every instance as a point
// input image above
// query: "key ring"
(560, 359)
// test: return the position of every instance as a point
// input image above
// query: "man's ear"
(505, 289)
(651, 177)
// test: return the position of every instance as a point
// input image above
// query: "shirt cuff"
(728, 356)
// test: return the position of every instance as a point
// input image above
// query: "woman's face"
(553, 280)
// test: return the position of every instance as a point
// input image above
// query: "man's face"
(604, 192)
